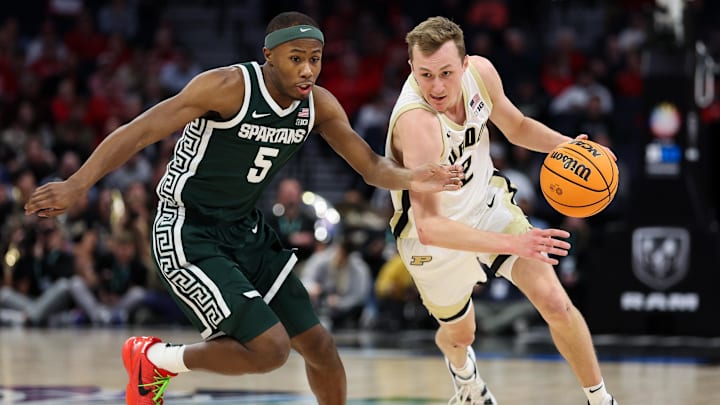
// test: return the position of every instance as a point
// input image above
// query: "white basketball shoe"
(472, 391)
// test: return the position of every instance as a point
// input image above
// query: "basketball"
(579, 178)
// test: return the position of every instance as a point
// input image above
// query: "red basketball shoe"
(147, 383)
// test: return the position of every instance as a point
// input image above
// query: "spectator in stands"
(517, 60)
(175, 74)
(338, 280)
(137, 170)
(85, 42)
(372, 120)
(352, 86)
(593, 120)
(23, 182)
(575, 99)
(46, 42)
(397, 299)
(25, 124)
(164, 48)
(137, 217)
(294, 224)
(40, 280)
(117, 285)
(119, 17)
(356, 212)
(72, 134)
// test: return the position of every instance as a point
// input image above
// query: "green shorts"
(231, 279)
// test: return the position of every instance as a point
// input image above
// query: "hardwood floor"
(83, 366)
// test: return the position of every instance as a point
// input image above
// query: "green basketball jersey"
(219, 169)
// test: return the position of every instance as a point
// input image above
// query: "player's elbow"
(516, 133)
(425, 236)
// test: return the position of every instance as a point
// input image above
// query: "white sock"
(168, 356)
(467, 371)
(597, 394)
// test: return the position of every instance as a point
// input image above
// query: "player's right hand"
(52, 199)
(538, 244)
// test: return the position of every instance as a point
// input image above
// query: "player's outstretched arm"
(415, 138)
(379, 171)
(196, 99)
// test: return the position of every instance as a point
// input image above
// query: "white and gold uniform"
(446, 277)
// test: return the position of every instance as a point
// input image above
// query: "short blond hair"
(432, 33)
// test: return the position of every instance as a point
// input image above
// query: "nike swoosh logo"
(305, 29)
(490, 204)
(595, 390)
(254, 230)
(141, 390)
(255, 114)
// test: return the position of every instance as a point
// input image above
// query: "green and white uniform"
(446, 277)
(221, 262)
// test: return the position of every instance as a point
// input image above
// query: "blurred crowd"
(72, 71)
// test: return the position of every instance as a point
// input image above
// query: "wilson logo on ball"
(572, 165)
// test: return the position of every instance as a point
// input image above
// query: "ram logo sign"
(660, 256)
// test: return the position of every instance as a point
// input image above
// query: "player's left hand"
(583, 137)
(433, 177)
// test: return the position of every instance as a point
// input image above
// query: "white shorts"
(444, 277)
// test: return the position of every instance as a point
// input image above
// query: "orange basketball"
(578, 178)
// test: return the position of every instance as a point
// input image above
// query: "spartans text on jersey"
(260, 133)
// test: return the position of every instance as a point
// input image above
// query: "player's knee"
(455, 336)
(464, 340)
(326, 345)
(320, 349)
(269, 350)
(274, 354)
(556, 309)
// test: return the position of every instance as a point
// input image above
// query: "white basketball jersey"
(466, 144)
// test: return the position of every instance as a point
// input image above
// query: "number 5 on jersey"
(263, 163)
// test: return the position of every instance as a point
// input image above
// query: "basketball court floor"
(83, 366)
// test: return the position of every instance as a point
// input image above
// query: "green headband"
(283, 35)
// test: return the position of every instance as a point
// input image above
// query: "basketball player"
(214, 251)
(452, 241)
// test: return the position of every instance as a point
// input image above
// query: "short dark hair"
(289, 19)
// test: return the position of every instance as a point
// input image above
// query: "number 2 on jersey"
(263, 163)
(466, 169)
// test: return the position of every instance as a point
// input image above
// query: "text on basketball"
(571, 164)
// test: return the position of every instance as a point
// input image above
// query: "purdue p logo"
(420, 260)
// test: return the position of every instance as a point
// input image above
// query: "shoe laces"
(471, 392)
(158, 386)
